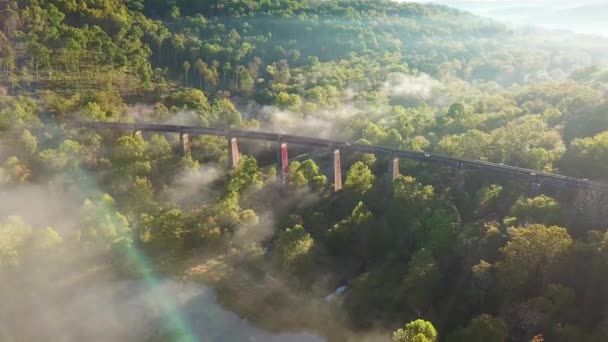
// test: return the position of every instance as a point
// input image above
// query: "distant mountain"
(581, 16)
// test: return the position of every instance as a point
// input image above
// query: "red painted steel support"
(282, 163)
(184, 142)
(337, 170)
(234, 157)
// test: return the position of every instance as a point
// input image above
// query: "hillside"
(469, 256)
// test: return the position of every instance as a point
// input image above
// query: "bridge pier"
(336, 169)
(393, 170)
(184, 143)
(234, 157)
(459, 179)
(535, 188)
(282, 163)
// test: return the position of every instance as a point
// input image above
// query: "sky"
(582, 16)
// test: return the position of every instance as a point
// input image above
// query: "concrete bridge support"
(234, 157)
(184, 143)
(393, 170)
(336, 169)
(282, 163)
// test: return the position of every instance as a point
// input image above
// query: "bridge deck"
(533, 175)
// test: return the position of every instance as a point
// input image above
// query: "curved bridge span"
(536, 178)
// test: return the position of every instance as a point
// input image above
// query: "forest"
(419, 260)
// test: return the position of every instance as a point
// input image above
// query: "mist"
(123, 310)
(193, 186)
(586, 17)
(76, 294)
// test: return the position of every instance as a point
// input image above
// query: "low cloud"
(188, 118)
(140, 112)
(124, 310)
(76, 295)
(322, 123)
(42, 206)
(275, 206)
(194, 186)
(422, 86)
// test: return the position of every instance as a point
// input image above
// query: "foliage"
(416, 331)
(293, 248)
(101, 224)
(359, 178)
(541, 209)
(482, 328)
(530, 251)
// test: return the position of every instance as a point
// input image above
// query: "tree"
(7, 57)
(131, 157)
(541, 209)
(530, 252)
(421, 280)
(374, 134)
(279, 71)
(14, 234)
(246, 176)
(285, 100)
(588, 157)
(293, 249)
(67, 157)
(101, 224)
(482, 329)
(416, 331)
(192, 99)
(159, 148)
(246, 83)
(473, 144)
(165, 230)
(407, 189)
(226, 113)
(307, 173)
(356, 236)
(456, 110)
(186, 71)
(202, 69)
(19, 112)
(140, 196)
(359, 178)
(40, 57)
(13, 171)
(393, 139)
(9, 21)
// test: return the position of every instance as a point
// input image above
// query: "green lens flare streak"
(176, 326)
(173, 321)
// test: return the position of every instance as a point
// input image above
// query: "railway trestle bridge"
(536, 179)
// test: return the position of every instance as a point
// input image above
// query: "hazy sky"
(583, 16)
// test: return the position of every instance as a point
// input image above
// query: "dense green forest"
(423, 260)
